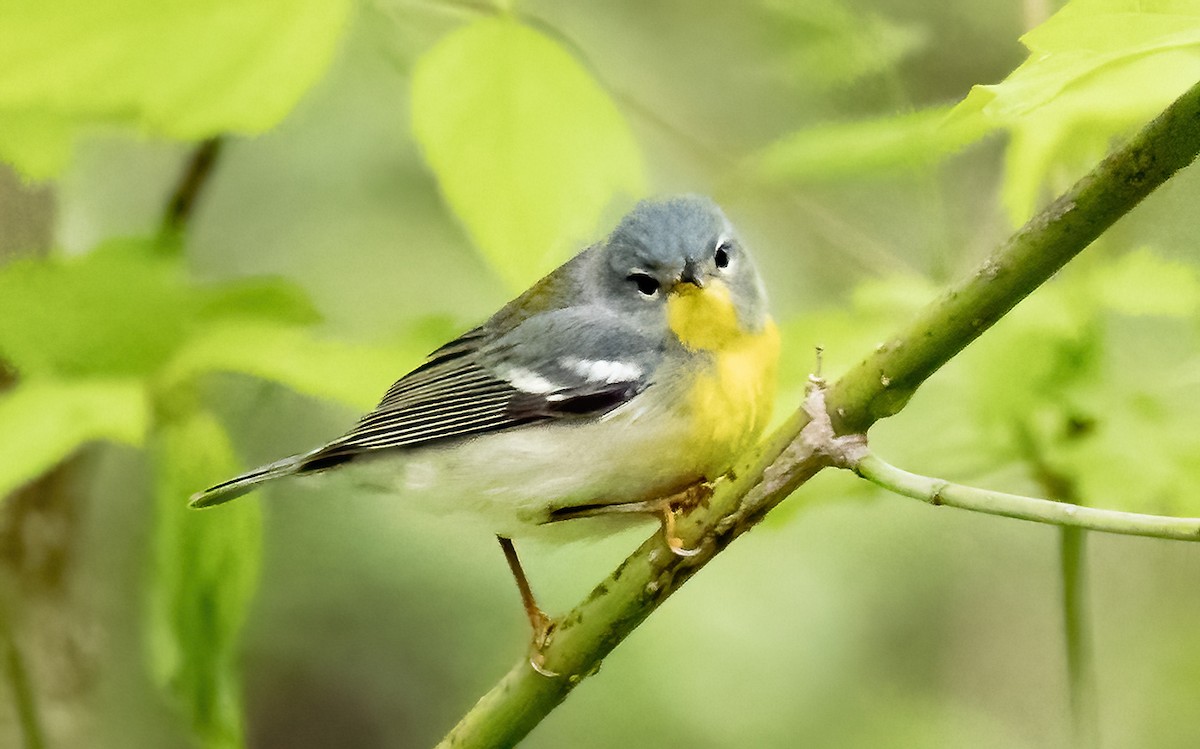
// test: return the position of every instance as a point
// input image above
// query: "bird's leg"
(541, 624)
(664, 508)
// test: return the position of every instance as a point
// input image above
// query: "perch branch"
(876, 388)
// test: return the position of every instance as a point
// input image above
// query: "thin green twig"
(938, 493)
(192, 181)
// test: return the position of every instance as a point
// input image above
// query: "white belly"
(513, 480)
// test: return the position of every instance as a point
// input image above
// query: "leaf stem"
(938, 492)
(195, 176)
(1072, 555)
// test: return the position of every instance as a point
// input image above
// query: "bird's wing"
(561, 364)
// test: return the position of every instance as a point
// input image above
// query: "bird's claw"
(543, 631)
(537, 661)
(674, 542)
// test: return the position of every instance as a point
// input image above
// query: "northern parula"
(641, 367)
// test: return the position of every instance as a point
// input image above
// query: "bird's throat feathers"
(704, 319)
(730, 402)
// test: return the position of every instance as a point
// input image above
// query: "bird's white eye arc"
(721, 256)
(646, 284)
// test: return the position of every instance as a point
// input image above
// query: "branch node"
(819, 437)
(935, 496)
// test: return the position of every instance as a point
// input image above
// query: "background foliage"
(392, 171)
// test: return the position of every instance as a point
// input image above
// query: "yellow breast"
(730, 401)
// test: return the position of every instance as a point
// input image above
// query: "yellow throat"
(730, 401)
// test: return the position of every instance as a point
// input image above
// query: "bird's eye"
(645, 283)
(721, 256)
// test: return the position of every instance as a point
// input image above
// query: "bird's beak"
(692, 275)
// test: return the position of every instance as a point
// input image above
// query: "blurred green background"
(374, 164)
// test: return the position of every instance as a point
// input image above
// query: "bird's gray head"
(665, 249)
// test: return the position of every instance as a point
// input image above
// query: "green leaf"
(43, 421)
(866, 147)
(1097, 70)
(1081, 397)
(116, 312)
(203, 576)
(1126, 441)
(271, 299)
(122, 310)
(37, 143)
(185, 70)
(527, 149)
(1057, 341)
(1142, 283)
(1096, 372)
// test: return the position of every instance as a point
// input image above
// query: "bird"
(619, 384)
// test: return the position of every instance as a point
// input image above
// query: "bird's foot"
(543, 631)
(694, 496)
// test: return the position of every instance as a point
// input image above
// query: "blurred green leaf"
(1082, 347)
(252, 299)
(527, 149)
(1138, 446)
(866, 147)
(828, 41)
(178, 69)
(1142, 283)
(121, 310)
(116, 311)
(203, 577)
(1053, 340)
(1097, 69)
(44, 421)
(37, 143)
(1097, 368)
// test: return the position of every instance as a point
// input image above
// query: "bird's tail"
(247, 482)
